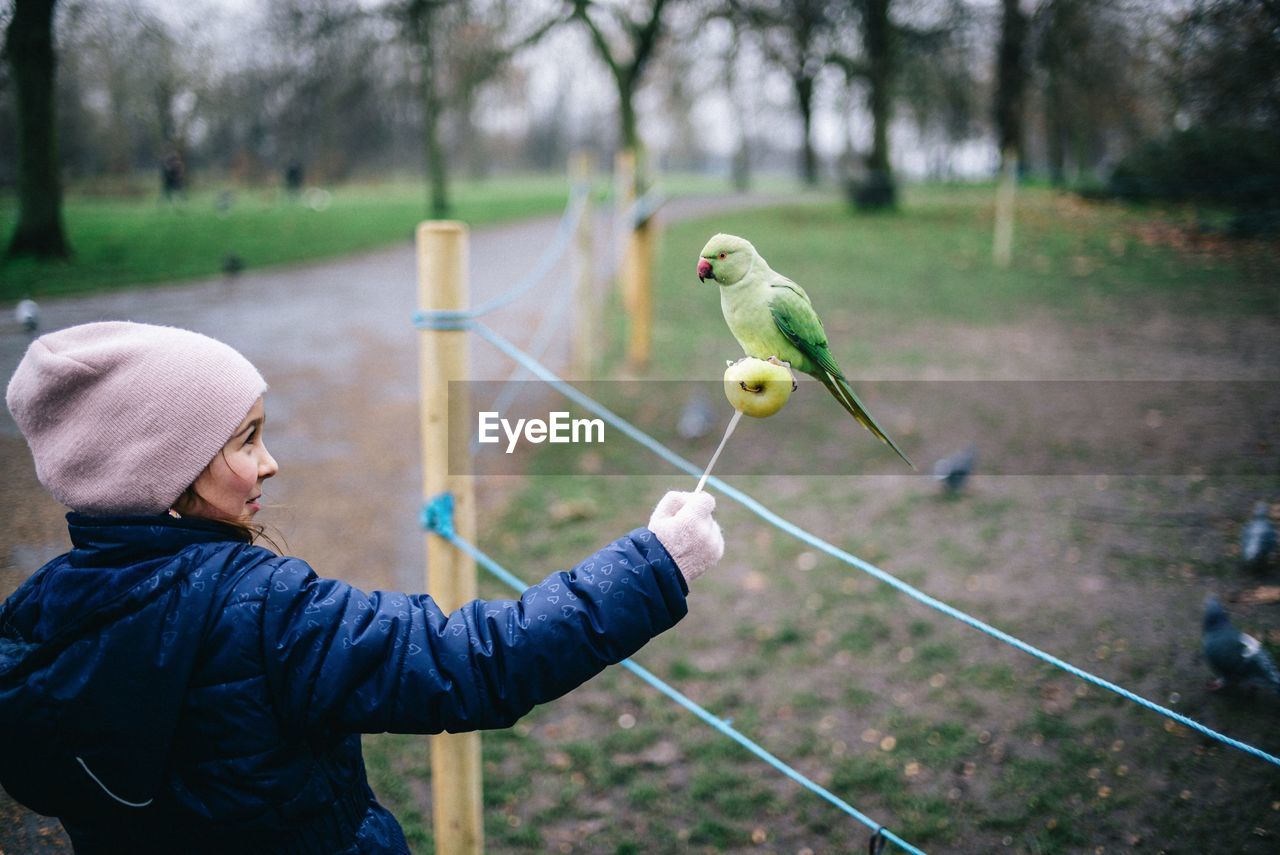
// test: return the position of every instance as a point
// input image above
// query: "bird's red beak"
(704, 270)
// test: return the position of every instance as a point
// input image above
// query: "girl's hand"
(684, 526)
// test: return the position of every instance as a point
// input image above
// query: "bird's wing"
(1251, 645)
(795, 318)
(1257, 662)
(799, 324)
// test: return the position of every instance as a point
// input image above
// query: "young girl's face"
(230, 487)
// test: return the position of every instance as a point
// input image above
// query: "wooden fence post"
(585, 318)
(450, 574)
(641, 337)
(637, 264)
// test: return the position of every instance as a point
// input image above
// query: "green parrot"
(771, 316)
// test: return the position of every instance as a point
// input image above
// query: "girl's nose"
(267, 466)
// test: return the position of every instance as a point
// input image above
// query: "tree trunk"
(433, 150)
(421, 28)
(740, 168)
(1011, 80)
(1055, 129)
(630, 132)
(1011, 77)
(808, 159)
(879, 190)
(29, 46)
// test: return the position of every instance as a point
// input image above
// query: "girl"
(167, 686)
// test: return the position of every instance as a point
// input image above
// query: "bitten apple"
(758, 387)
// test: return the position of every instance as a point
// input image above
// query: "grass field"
(121, 241)
(951, 739)
(125, 239)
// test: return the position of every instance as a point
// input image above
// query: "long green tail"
(840, 390)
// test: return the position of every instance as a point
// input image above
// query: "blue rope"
(645, 207)
(588, 403)
(437, 516)
(453, 319)
(552, 318)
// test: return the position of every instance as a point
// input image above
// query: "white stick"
(733, 423)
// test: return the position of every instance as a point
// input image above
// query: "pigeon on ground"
(952, 471)
(27, 314)
(696, 419)
(1258, 540)
(1233, 656)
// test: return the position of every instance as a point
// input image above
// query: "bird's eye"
(723, 255)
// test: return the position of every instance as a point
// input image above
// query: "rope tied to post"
(457, 319)
(437, 516)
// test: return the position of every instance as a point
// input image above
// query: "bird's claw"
(787, 365)
(776, 361)
(1217, 684)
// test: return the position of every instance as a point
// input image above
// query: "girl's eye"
(253, 434)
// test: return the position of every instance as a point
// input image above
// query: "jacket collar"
(99, 541)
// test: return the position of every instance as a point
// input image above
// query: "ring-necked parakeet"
(771, 316)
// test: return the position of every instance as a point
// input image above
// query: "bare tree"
(879, 50)
(457, 48)
(422, 27)
(1011, 79)
(1090, 78)
(626, 45)
(797, 36)
(1229, 68)
(883, 48)
(740, 168)
(326, 110)
(1220, 152)
(936, 77)
(1011, 85)
(29, 48)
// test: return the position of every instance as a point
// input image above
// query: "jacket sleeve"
(339, 658)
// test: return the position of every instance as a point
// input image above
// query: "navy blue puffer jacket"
(167, 687)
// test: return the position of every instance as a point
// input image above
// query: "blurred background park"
(1017, 192)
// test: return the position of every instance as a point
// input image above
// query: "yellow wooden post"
(636, 265)
(451, 574)
(642, 314)
(585, 317)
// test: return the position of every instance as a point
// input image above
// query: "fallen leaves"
(1262, 595)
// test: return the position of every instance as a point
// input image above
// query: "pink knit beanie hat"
(122, 417)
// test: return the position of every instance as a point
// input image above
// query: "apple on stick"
(756, 387)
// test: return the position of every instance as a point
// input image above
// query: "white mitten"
(683, 524)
